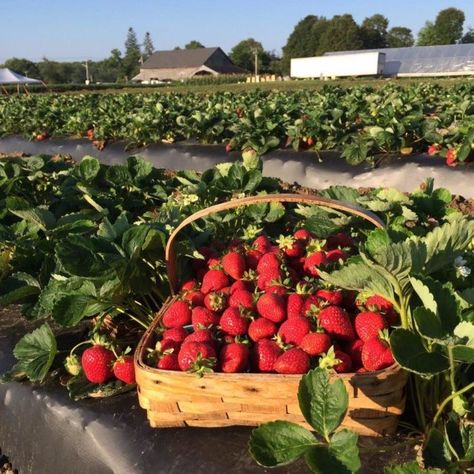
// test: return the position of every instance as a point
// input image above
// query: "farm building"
(446, 60)
(181, 64)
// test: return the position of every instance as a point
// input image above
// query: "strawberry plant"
(361, 122)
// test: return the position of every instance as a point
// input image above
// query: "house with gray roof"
(182, 64)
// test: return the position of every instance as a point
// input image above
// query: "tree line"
(312, 36)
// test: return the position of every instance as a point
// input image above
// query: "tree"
(449, 25)
(399, 37)
(374, 31)
(132, 54)
(304, 40)
(194, 45)
(23, 66)
(243, 55)
(148, 48)
(469, 36)
(427, 35)
(341, 33)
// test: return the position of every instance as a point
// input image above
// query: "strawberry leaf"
(280, 442)
(341, 456)
(409, 468)
(323, 404)
(410, 352)
(35, 353)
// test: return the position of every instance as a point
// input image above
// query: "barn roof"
(179, 58)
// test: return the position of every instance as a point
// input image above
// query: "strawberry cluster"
(101, 363)
(261, 307)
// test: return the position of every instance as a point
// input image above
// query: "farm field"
(360, 121)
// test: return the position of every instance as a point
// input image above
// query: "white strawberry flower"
(462, 270)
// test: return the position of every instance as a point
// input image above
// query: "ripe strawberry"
(303, 234)
(376, 354)
(433, 149)
(177, 315)
(268, 278)
(175, 334)
(354, 349)
(293, 361)
(242, 298)
(314, 261)
(234, 265)
(451, 157)
(331, 296)
(228, 148)
(265, 354)
(214, 280)
(234, 357)
(262, 328)
(195, 297)
(196, 357)
(378, 303)
(226, 291)
(345, 365)
(167, 345)
(272, 307)
(203, 317)
(97, 364)
(335, 255)
(252, 258)
(293, 330)
(315, 343)
(214, 264)
(168, 362)
(201, 335)
(215, 301)
(270, 262)
(262, 244)
(337, 323)
(277, 289)
(291, 247)
(340, 239)
(241, 285)
(232, 322)
(189, 285)
(295, 305)
(311, 301)
(124, 369)
(368, 325)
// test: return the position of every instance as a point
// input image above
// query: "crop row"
(360, 121)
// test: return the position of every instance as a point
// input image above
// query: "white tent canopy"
(7, 76)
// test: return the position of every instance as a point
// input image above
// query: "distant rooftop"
(179, 58)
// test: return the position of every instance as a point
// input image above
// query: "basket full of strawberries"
(230, 346)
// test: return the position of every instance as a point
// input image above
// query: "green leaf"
(428, 323)
(279, 442)
(467, 436)
(36, 351)
(118, 175)
(445, 243)
(18, 288)
(360, 276)
(341, 193)
(79, 388)
(356, 151)
(89, 168)
(323, 404)
(465, 330)
(393, 195)
(376, 240)
(341, 456)
(409, 468)
(39, 216)
(71, 309)
(322, 226)
(435, 452)
(276, 211)
(139, 167)
(409, 351)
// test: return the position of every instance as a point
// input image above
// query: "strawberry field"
(361, 122)
(294, 289)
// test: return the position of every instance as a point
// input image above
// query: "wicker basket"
(174, 399)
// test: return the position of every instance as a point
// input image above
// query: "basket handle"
(170, 254)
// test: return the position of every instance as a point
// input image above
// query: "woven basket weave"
(173, 399)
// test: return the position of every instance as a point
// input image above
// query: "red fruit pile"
(261, 307)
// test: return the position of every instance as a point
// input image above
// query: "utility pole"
(86, 65)
(256, 62)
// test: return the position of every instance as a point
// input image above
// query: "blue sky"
(89, 29)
